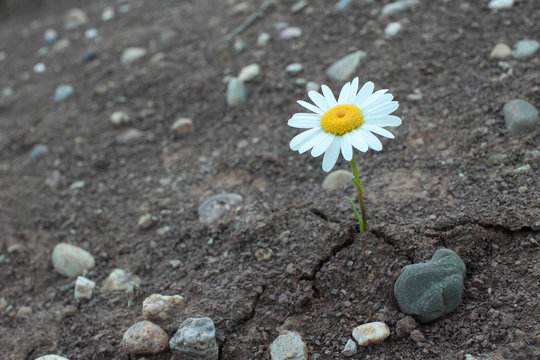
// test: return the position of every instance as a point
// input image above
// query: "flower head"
(339, 125)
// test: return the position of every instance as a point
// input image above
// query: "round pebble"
(91, 33)
(119, 118)
(371, 333)
(75, 18)
(294, 68)
(392, 29)
(182, 126)
(107, 14)
(525, 49)
(40, 68)
(290, 33)
(520, 117)
(500, 52)
(132, 54)
(145, 222)
(71, 261)
(62, 92)
(145, 337)
(500, 4)
(249, 72)
(50, 36)
(345, 67)
(263, 39)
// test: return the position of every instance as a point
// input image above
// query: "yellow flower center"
(341, 119)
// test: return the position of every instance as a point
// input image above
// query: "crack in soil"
(379, 234)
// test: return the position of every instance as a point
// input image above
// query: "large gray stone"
(344, 68)
(71, 260)
(195, 340)
(433, 289)
(520, 117)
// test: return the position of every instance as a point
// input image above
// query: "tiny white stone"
(263, 39)
(132, 54)
(337, 179)
(500, 4)
(294, 68)
(84, 288)
(182, 126)
(40, 68)
(500, 52)
(145, 221)
(249, 72)
(349, 349)
(91, 33)
(392, 29)
(119, 279)
(51, 357)
(371, 333)
(107, 14)
(119, 118)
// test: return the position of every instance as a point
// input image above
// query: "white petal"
(371, 140)
(323, 145)
(358, 141)
(299, 139)
(378, 130)
(344, 94)
(312, 141)
(301, 123)
(346, 147)
(364, 92)
(387, 120)
(363, 104)
(310, 107)
(352, 91)
(305, 116)
(381, 103)
(331, 155)
(329, 96)
(318, 100)
(381, 110)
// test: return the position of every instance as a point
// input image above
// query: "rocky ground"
(118, 123)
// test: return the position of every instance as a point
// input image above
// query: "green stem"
(359, 191)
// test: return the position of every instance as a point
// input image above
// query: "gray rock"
(392, 29)
(145, 337)
(433, 289)
(263, 39)
(236, 92)
(213, 208)
(50, 36)
(42, 51)
(524, 49)
(195, 340)
(6, 92)
(182, 126)
(520, 117)
(62, 92)
(75, 18)
(500, 4)
(38, 150)
(398, 6)
(288, 346)
(294, 68)
(124, 8)
(239, 45)
(130, 137)
(145, 221)
(299, 6)
(51, 357)
(107, 14)
(345, 67)
(349, 349)
(71, 260)
(40, 68)
(342, 4)
(290, 33)
(91, 34)
(312, 85)
(132, 54)
(89, 54)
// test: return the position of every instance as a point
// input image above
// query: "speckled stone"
(195, 340)
(162, 307)
(371, 333)
(288, 346)
(145, 337)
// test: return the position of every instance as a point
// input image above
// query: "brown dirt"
(439, 183)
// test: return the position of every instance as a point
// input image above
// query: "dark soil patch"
(290, 257)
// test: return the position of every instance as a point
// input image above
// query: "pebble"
(299, 6)
(213, 208)
(398, 6)
(91, 34)
(345, 67)
(119, 279)
(524, 49)
(50, 36)
(371, 333)
(392, 29)
(71, 261)
(6, 92)
(263, 39)
(145, 222)
(77, 185)
(349, 349)
(61, 45)
(500, 4)
(405, 326)
(432, 289)
(290, 33)
(38, 150)
(522, 169)
(531, 155)
(417, 336)
(520, 117)
(119, 118)
(24, 312)
(42, 51)
(415, 96)
(162, 231)
(84, 288)
(107, 14)
(162, 307)
(342, 4)
(89, 54)
(62, 92)
(294, 68)
(236, 92)
(500, 52)
(249, 72)
(145, 337)
(132, 54)
(40, 68)
(239, 45)
(130, 136)
(195, 340)
(51, 357)
(124, 8)
(311, 85)
(75, 18)
(337, 179)
(288, 346)
(182, 126)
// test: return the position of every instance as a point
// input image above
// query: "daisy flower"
(338, 126)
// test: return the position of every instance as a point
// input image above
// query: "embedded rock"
(288, 346)
(119, 279)
(195, 340)
(345, 67)
(62, 92)
(433, 289)
(145, 337)
(398, 6)
(51, 357)
(349, 349)
(392, 29)
(500, 4)
(337, 179)
(500, 52)
(84, 288)
(161, 307)
(524, 49)
(371, 333)
(405, 326)
(520, 117)
(213, 208)
(182, 126)
(132, 54)
(236, 92)
(71, 260)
